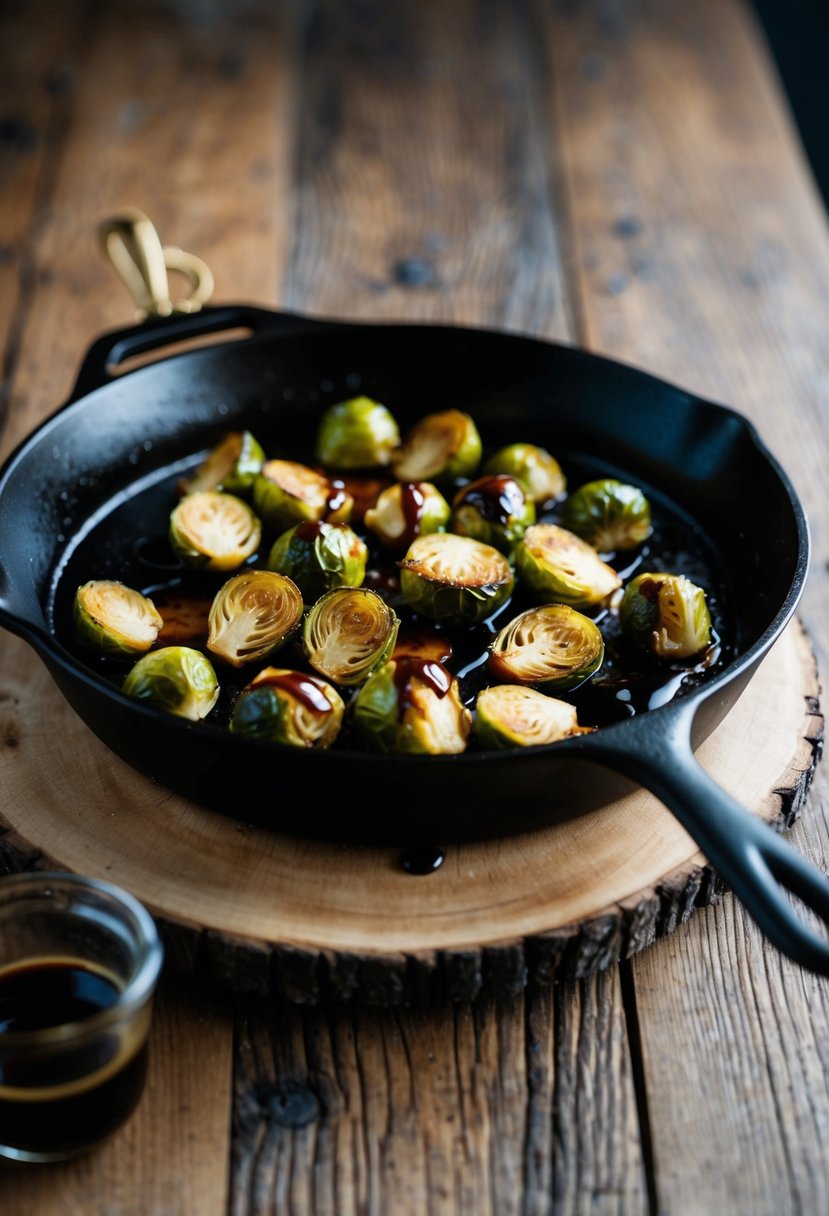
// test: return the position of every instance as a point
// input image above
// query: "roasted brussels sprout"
(439, 447)
(319, 556)
(252, 615)
(412, 705)
(510, 715)
(286, 493)
(232, 465)
(609, 515)
(214, 531)
(288, 707)
(666, 614)
(494, 510)
(357, 434)
(551, 647)
(348, 634)
(558, 566)
(363, 492)
(180, 680)
(538, 471)
(115, 619)
(405, 511)
(454, 579)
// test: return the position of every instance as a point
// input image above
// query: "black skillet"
(101, 471)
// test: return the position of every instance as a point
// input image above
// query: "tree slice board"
(263, 911)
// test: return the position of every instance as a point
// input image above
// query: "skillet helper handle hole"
(762, 869)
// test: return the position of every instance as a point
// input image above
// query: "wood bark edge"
(504, 969)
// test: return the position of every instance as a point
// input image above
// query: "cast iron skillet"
(115, 438)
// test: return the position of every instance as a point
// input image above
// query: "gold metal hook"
(132, 244)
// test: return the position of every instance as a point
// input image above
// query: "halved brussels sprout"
(454, 579)
(115, 619)
(320, 556)
(286, 493)
(232, 465)
(538, 471)
(510, 715)
(439, 447)
(494, 510)
(609, 515)
(180, 680)
(357, 434)
(214, 531)
(548, 647)
(666, 614)
(405, 511)
(412, 705)
(558, 566)
(288, 707)
(348, 634)
(252, 615)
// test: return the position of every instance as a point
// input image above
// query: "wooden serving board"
(263, 911)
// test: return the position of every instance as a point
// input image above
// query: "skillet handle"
(755, 862)
(104, 356)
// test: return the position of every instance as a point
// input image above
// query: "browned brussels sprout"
(439, 447)
(551, 647)
(289, 708)
(320, 556)
(253, 614)
(558, 566)
(231, 466)
(287, 493)
(494, 510)
(214, 531)
(510, 715)
(538, 471)
(348, 634)
(667, 615)
(412, 705)
(115, 619)
(405, 511)
(453, 579)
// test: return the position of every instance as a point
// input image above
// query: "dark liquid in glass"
(74, 1095)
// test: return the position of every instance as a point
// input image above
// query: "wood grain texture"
(164, 1159)
(654, 205)
(700, 251)
(274, 912)
(491, 1108)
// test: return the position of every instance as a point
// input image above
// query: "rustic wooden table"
(624, 176)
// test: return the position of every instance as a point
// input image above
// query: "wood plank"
(204, 150)
(497, 1108)
(424, 168)
(701, 252)
(38, 75)
(164, 1159)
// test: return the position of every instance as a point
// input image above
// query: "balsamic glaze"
(497, 499)
(310, 529)
(337, 496)
(412, 500)
(46, 993)
(422, 858)
(301, 687)
(407, 670)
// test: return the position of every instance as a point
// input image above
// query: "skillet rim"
(284, 325)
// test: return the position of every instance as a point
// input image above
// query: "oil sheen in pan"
(126, 540)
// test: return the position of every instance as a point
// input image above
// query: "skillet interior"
(694, 454)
